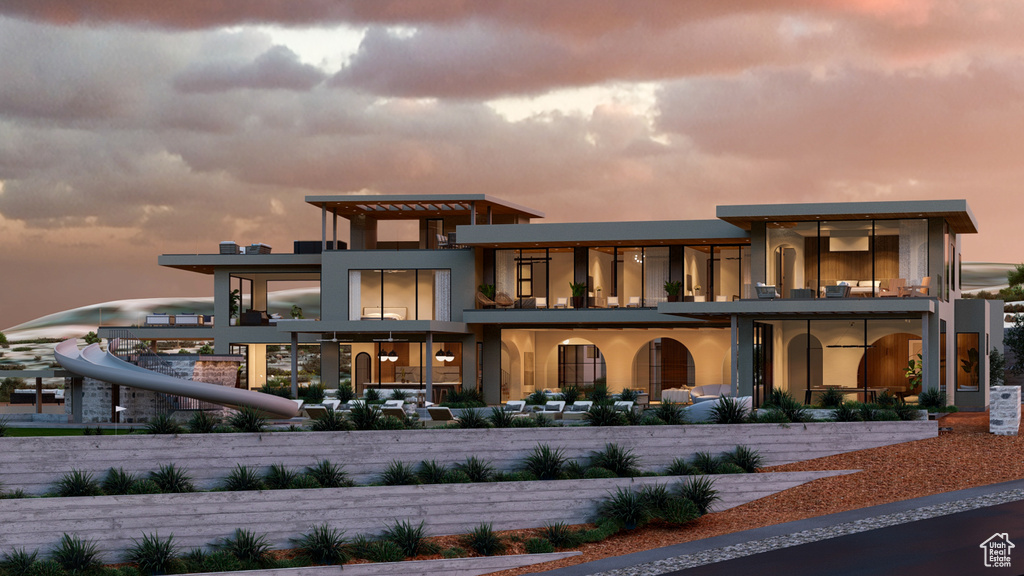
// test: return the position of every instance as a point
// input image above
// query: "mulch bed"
(966, 457)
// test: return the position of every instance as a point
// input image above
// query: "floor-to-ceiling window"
(400, 295)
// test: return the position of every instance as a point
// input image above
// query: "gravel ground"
(966, 457)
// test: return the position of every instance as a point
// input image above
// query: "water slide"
(93, 362)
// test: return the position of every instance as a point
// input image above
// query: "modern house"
(791, 296)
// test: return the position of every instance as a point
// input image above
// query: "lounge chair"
(920, 290)
(710, 392)
(515, 406)
(623, 405)
(397, 412)
(613, 301)
(542, 302)
(897, 287)
(314, 411)
(441, 414)
(553, 409)
(504, 300)
(561, 303)
(578, 410)
(634, 302)
(484, 301)
(766, 292)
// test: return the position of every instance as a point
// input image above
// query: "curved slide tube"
(93, 362)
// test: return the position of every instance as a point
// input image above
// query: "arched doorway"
(580, 364)
(362, 372)
(511, 379)
(661, 364)
(884, 363)
(805, 365)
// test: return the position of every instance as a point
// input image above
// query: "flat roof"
(604, 234)
(405, 206)
(285, 263)
(956, 212)
(820, 308)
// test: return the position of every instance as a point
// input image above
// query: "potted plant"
(296, 312)
(579, 291)
(236, 302)
(913, 374)
(672, 288)
(487, 291)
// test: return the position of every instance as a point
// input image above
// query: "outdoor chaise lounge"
(766, 292)
(553, 409)
(577, 411)
(441, 414)
(623, 405)
(515, 406)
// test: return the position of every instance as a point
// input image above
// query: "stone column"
(1004, 410)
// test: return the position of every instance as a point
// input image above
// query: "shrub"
(144, 486)
(626, 508)
(699, 490)
(728, 411)
(314, 394)
(604, 415)
(606, 528)
(886, 415)
(629, 395)
(477, 470)
(844, 413)
(3, 427)
(545, 462)
(18, 562)
(276, 390)
(454, 552)
(397, 394)
(595, 472)
(770, 416)
(153, 555)
(623, 462)
(571, 393)
(202, 422)
(677, 511)
(163, 424)
(384, 551)
(304, 482)
(77, 483)
(573, 470)
(784, 402)
(457, 477)
(560, 535)
(599, 393)
(499, 418)
(537, 398)
(171, 479)
(525, 423)
(633, 417)
(748, 459)
(538, 546)
(831, 398)
(47, 568)
(932, 400)
(866, 412)
(669, 413)
(886, 399)
(730, 468)
(430, 472)
(680, 467)
(248, 419)
(365, 417)
(655, 496)
(279, 477)
(465, 398)
(904, 411)
(472, 419)
(705, 463)
(484, 541)
(331, 421)
(651, 420)
(323, 545)
(247, 547)
(408, 537)
(117, 481)
(399, 474)
(76, 555)
(371, 395)
(243, 478)
(392, 423)
(329, 475)
(345, 393)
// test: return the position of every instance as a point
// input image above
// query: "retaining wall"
(200, 518)
(35, 464)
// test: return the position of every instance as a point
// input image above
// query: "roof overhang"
(604, 234)
(406, 207)
(956, 212)
(817, 308)
(373, 329)
(291, 264)
(570, 319)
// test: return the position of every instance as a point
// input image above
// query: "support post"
(925, 356)
(295, 364)
(428, 367)
(323, 228)
(39, 395)
(734, 349)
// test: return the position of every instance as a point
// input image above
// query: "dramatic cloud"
(130, 129)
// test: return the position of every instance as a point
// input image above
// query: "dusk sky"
(130, 129)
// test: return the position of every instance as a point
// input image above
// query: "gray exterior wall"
(975, 316)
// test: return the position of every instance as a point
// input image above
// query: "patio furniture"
(709, 392)
(440, 414)
(442, 241)
(765, 292)
(515, 406)
(553, 408)
(676, 396)
(397, 412)
(634, 302)
(159, 320)
(920, 290)
(841, 290)
(484, 301)
(623, 405)
(577, 411)
(613, 301)
(504, 300)
(541, 302)
(315, 411)
(897, 287)
(561, 303)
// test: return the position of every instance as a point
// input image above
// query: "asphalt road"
(943, 546)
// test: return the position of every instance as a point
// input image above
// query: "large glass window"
(968, 361)
(580, 365)
(400, 295)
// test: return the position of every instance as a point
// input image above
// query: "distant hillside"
(76, 322)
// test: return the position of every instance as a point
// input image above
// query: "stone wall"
(1004, 410)
(34, 464)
